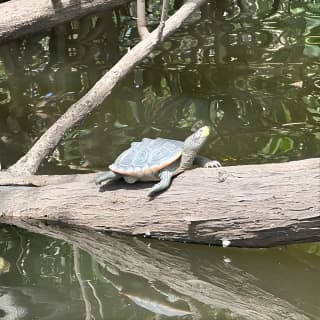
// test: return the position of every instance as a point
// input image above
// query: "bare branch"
(164, 16)
(141, 16)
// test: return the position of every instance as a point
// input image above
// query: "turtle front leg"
(165, 180)
(106, 178)
(204, 162)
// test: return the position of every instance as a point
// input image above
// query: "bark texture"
(257, 206)
(19, 18)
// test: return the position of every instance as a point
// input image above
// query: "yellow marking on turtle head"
(205, 131)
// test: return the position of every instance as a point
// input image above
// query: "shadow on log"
(210, 280)
(257, 206)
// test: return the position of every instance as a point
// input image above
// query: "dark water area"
(248, 69)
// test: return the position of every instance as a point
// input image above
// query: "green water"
(251, 72)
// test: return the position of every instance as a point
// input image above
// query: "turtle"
(158, 159)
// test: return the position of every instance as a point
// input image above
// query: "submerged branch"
(83, 288)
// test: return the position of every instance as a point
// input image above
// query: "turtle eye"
(199, 133)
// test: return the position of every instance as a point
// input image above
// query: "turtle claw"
(106, 178)
(151, 195)
(222, 173)
(213, 164)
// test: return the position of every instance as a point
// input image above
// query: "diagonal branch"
(30, 163)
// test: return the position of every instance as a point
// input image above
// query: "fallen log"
(19, 18)
(257, 206)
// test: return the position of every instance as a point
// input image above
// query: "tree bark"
(257, 206)
(196, 277)
(30, 162)
(19, 18)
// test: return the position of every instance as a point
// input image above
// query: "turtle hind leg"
(165, 181)
(106, 178)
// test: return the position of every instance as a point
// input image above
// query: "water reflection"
(234, 66)
(85, 275)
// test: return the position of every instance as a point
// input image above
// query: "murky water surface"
(249, 70)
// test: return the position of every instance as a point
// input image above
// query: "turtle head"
(192, 145)
(194, 142)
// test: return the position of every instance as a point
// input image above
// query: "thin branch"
(76, 259)
(164, 16)
(94, 292)
(30, 163)
(141, 19)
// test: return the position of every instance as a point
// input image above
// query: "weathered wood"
(6, 179)
(227, 287)
(19, 18)
(257, 206)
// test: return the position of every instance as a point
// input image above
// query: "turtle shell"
(148, 157)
